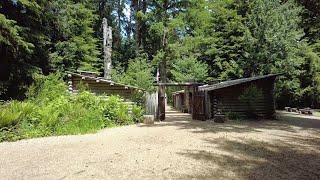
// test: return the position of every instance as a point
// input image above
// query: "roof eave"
(239, 81)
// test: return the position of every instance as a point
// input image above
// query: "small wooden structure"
(188, 100)
(178, 99)
(100, 85)
(223, 98)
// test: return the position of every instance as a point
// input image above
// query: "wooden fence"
(151, 103)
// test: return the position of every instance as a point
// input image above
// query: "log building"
(224, 97)
(100, 85)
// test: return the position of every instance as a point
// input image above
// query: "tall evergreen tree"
(76, 47)
(214, 33)
(272, 43)
(23, 44)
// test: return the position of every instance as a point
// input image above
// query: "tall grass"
(51, 110)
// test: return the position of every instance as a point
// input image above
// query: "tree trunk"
(136, 7)
(119, 12)
(163, 65)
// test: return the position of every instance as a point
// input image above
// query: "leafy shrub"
(233, 116)
(47, 88)
(11, 116)
(117, 111)
(137, 113)
(8, 117)
(138, 73)
(250, 96)
(50, 110)
(14, 112)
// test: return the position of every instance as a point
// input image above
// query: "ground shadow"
(293, 152)
(303, 121)
(252, 159)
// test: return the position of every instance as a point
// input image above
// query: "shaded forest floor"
(179, 148)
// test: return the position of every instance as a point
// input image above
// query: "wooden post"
(206, 105)
(161, 103)
(107, 48)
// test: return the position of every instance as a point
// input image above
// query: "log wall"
(226, 100)
(101, 87)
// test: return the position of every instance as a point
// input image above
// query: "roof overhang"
(229, 83)
(103, 80)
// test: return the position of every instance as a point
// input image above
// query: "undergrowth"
(51, 110)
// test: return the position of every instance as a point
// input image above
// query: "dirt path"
(176, 149)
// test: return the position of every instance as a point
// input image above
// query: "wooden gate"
(198, 105)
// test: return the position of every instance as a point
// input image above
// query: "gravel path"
(176, 149)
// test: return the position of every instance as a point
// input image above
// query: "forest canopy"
(183, 40)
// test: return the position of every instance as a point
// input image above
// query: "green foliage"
(139, 73)
(251, 97)
(9, 36)
(272, 38)
(22, 42)
(311, 20)
(78, 50)
(47, 88)
(11, 117)
(189, 69)
(214, 34)
(116, 111)
(235, 38)
(137, 113)
(310, 75)
(233, 116)
(50, 110)
(14, 112)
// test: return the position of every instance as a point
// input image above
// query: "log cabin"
(100, 85)
(224, 98)
(211, 100)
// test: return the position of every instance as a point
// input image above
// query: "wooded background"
(186, 40)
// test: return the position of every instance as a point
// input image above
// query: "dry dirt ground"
(176, 149)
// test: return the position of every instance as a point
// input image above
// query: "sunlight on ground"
(178, 148)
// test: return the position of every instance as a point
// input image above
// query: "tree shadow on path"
(252, 159)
